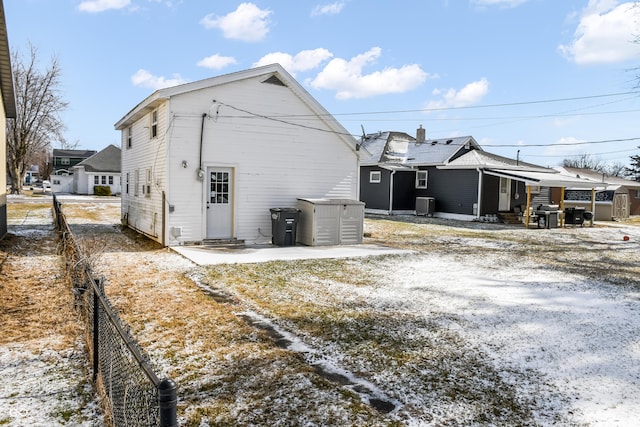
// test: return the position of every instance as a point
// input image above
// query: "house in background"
(397, 168)
(64, 160)
(450, 177)
(498, 186)
(7, 111)
(207, 160)
(617, 199)
(101, 169)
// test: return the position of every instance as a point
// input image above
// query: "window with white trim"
(154, 124)
(129, 136)
(147, 185)
(136, 183)
(126, 188)
(96, 180)
(421, 179)
(375, 177)
(110, 179)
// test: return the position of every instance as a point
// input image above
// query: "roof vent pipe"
(420, 135)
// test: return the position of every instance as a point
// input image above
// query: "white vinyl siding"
(273, 163)
(142, 209)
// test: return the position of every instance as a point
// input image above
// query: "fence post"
(96, 329)
(168, 401)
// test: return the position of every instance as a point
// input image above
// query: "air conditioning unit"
(176, 231)
(425, 206)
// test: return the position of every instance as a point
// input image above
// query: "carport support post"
(593, 205)
(562, 206)
(527, 214)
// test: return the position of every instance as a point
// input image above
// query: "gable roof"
(389, 148)
(274, 74)
(107, 160)
(82, 154)
(481, 159)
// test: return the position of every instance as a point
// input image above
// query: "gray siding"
(375, 196)
(455, 191)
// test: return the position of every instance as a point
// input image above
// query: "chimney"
(420, 135)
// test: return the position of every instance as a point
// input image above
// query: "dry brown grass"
(35, 299)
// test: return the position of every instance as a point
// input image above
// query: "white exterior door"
(504, 202)
(219, 203)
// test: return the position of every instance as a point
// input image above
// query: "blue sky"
(550, 79)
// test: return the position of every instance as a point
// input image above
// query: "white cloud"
(501, 3)
(328, 9)
(566, 149)
(347, 79)
(146, 79)
(605, 34)
(469, 95)
(303, 61)
(216, 62)
(95, 6)
(247, 23)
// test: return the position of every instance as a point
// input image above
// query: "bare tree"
(38, 104)
(584, 161)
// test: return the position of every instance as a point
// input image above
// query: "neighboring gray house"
(396, 168)
(459, 179)
(101, 169)
(207, 160)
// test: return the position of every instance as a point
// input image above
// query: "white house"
(101, 169)
(208, 159)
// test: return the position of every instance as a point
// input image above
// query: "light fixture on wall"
(185, 164)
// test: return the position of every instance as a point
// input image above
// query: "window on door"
(219, 188)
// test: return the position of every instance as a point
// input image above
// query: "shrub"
(102, 190)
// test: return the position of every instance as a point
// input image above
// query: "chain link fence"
(133, 395)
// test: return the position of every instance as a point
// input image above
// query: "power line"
(510, 104)
(557, 144)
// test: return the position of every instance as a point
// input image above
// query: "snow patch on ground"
(44, 387)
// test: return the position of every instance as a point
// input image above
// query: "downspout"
(391, 191)
(480, 174)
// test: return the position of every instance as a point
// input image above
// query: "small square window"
(375, 177)
(421, 179)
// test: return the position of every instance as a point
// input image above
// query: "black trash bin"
(284, 222)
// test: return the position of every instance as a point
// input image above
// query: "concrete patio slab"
(211, 255)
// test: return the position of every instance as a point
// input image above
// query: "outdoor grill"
(547, 216)
(577, 216)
